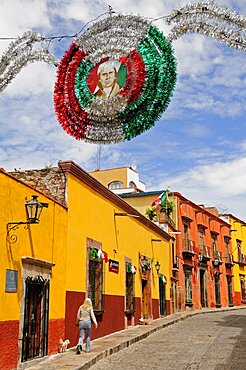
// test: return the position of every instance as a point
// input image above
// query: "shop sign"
(113, 266)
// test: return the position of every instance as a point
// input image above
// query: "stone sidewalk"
(106, 346)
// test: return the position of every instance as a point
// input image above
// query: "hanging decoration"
(115, 81)
(99, 254)
(117, 78)
(207, 18)
(132, 269)
(163, 279)
(20, 53)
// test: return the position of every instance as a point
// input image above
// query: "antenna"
(98, 156)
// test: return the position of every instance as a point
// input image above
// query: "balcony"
(175, 266)
(241, 259)
(229, 260)
(217, 261)
(204, 253)
(188, 248)
(165, 218)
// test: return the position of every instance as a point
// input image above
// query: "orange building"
(204, 254)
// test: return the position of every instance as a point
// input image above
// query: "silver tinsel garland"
(121, 33)
(204, 17)
(20, 53)
(209, 10)
(208, 19)
(228, 37)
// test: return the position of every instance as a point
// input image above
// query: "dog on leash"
(63, 345)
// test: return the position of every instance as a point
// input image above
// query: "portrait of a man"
(107, 85)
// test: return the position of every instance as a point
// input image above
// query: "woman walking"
(84, 316)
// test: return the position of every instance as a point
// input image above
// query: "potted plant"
(167, 207)
(150, 213)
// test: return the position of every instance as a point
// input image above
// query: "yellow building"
(97, 246)
(32, 273)
(120, 180)
(125, 285)
(238, 240)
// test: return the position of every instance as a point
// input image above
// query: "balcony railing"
(229, 260)
(164, 218)
(188, 250)
(175, 263)
(241, 259)
(188, 245)
(217, 257)
(205, 252)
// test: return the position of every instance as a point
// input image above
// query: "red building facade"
(204, 256)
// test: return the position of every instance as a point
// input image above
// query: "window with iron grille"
(214, 245)
(243, 290)
(201, 240)
(130, 291)
(95, 286)
(188, 287)
(239, 251)
(217, 289)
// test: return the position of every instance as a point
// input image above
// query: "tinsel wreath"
(115, 81)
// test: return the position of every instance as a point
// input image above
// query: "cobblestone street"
(205, 342)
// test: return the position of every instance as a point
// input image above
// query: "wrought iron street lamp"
(157, 267)
(33, 210)
(200, 257)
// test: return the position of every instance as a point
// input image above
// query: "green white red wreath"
(115, 81)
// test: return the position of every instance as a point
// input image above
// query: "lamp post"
(200, 257)
(33, 211)
(216, 262)
(157, 267)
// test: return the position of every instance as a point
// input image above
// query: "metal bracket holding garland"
(117, 78)
(115, 81)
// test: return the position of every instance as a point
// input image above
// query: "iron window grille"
(188, 288)
(217, 289)
(36, 317)
(130, 292)
(95, 289)
(243, 288)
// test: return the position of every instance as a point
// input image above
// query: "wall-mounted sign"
(113, 266)
(11, 281)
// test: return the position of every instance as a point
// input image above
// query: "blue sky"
(197, 148)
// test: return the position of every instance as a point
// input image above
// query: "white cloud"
(18, 16)
(36, 78)
(221, 183)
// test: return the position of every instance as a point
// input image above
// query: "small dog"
(63, 345)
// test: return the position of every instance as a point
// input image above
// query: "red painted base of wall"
(110, 321)
(237, 299)
(9, 333)
(56, 332)
(168, 307)
(137, 313)
(155, 308)
(73, 301)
